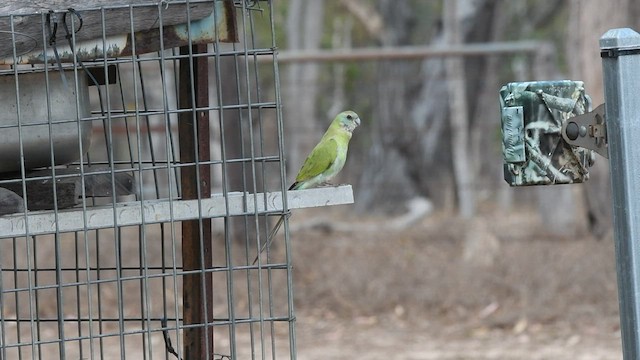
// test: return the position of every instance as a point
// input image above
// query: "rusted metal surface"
(193, 130)
(21, 7)
(93, 41)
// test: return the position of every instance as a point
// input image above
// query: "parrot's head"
(348, 120)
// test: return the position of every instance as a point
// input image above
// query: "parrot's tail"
(270, 237)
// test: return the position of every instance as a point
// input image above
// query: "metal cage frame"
(152, 257)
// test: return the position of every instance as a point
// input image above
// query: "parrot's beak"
(358, 121)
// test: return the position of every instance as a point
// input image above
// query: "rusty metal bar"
(91, 43)
(195, 183)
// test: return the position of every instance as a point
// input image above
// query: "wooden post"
(197, 289)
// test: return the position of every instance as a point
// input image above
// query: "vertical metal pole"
(621, 69)
(197, 291)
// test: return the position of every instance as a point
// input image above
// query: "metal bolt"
(573, 130)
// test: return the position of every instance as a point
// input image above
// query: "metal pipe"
(620, 64)
(410, 52)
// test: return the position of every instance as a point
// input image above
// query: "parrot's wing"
(320, 159)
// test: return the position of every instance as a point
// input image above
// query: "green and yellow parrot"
(325, 160)
(329, 156)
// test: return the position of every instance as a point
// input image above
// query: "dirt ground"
(497, 287)
(364, 338)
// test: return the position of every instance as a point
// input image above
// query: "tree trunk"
(589, 20)
(394, 156)
(458, 112)
(304, 31)
(412, 155)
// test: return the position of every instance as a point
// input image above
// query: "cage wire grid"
(135, 236)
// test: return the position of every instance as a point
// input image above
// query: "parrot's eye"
(349, 117)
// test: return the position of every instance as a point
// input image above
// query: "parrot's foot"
(328, 184)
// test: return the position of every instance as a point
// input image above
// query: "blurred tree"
(391, 158)
(411, 148)
(464, 171)
(405, 146)
(588, 21)
(304, 29)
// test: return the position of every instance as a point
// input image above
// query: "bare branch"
(368, 16)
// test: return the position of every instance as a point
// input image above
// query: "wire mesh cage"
(141, 155)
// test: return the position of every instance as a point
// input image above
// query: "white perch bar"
(160, 211)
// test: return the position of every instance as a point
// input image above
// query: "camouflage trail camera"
(534, 116)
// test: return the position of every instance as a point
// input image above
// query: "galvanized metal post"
(621, 67)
